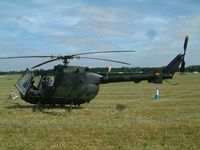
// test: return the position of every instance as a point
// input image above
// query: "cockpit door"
(23, 83)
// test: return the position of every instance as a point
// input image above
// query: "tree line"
(145, 69)
(122, 69)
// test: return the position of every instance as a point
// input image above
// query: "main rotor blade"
(170, 82)
(97, 52)
(27, 57)
(110, 60)
(51, 56)
(45, 63)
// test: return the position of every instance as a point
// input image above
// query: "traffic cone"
(157, 96)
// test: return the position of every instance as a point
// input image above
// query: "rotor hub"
(65, 61)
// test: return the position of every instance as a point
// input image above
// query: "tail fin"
(173, 66)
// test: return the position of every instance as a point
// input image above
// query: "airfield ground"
(122, 116)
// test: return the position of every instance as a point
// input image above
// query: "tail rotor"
(182, 68)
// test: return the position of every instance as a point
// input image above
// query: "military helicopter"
(65, 85)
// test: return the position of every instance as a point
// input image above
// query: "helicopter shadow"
(46, 110)
(49, 110)
(63, 110)
(101, 107)
(116, 106)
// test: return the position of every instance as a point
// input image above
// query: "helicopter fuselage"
(64, 86)
(59, 87)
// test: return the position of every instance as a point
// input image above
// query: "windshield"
(24, 83)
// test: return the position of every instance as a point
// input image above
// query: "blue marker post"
(157, 96)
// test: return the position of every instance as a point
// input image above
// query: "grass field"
(122, 116)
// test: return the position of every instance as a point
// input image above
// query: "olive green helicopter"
(65, 85)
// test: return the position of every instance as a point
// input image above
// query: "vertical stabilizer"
(173, 66)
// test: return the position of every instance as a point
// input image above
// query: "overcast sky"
(154, 29)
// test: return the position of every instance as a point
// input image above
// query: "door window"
(24, 83)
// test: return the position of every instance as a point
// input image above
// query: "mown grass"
(173, 122)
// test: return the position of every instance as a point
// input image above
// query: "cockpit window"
(24, 82)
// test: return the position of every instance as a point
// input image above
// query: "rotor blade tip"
(187, 36)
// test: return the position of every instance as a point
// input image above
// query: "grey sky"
(154, 29)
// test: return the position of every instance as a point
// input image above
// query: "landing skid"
(70, 107)
(37, 107)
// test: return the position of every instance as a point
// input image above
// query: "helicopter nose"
(93, 78)
(91, 91)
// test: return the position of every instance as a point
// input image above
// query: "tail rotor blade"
(182, 69)
(185, 43)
